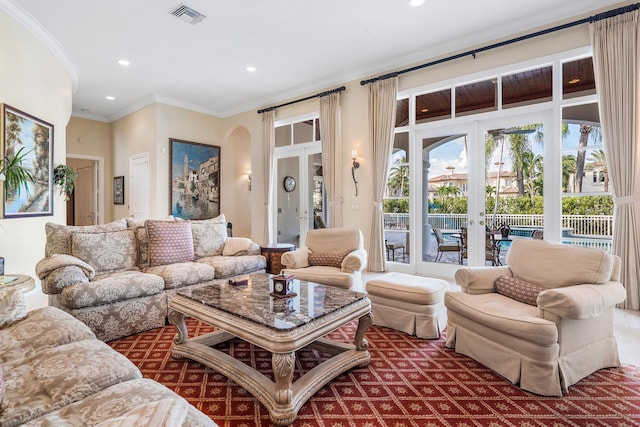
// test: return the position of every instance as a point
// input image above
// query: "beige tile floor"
(627, 330)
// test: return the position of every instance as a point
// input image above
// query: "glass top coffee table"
(278, 325)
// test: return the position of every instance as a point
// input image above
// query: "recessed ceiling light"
(574, 81)
(124, 62)
(251, 69)
(416, 3)
(110, 98)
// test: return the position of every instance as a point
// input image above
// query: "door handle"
(470, 222)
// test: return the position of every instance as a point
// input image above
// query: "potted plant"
(64, 176)
(15, 176)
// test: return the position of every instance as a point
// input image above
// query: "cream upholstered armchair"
(332, 256)
(545, 321)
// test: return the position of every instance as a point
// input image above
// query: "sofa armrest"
(581, 301)
(480, 280)
(254, 249)
(354, 261)
(62, 277)
(298, 258)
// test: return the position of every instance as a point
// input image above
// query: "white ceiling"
(298, 46)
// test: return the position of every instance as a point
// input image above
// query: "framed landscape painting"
(194, 180)
(24, 131)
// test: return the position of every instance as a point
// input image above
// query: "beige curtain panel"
(616, 60)
(268, 142)
(330, 134)
(382, 119)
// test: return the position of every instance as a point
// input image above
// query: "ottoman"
(408, 303)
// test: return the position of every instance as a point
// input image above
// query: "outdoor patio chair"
(492, 248)
(445, 246)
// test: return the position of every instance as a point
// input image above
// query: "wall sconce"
(355, 165)
(249, 178)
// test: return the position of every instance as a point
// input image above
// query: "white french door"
(480, 162)
(299, 192)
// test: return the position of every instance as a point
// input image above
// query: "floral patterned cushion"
(111, 287)
(106, 251)
(169, 242)
(43, 328)
(59, 236)
(329, 259)
(58, 376)
(518, 290)
(183, 273)
(209, 236)
(229, 266)
(12, 307)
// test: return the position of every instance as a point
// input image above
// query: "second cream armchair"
(332, 256)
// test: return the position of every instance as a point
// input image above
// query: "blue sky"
(197, 154)
(453, 154)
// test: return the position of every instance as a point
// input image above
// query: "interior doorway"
(84, 206)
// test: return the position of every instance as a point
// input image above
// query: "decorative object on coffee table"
(283, 286)
(273, 254)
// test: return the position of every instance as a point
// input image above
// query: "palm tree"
(568, 168)
(446, 192)
(532, 169)
(586, 132)
(399, 178)
(599, 159)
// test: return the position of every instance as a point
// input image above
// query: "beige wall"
(34, 81)
(93, 138)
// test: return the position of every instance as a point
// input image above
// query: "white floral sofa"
(116, 277)
(54, 372)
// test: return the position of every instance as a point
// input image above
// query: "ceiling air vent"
(186, 14)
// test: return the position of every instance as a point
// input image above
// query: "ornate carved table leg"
(283, 365)
(363, 325)
(177, 319)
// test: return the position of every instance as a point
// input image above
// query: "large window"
(523, 186)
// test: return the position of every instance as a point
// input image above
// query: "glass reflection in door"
(288, 200)
(444, 191)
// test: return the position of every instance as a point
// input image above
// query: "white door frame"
(100, 179)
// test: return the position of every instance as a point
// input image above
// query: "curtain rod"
(317, 95)
(473, 52)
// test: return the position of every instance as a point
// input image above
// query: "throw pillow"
(169, 242)
(329, 259)
(209, 236)
(518, 290)
(12, 307)
(236, 246)
(59, 236)
(106, 251)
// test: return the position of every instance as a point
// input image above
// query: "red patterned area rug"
(410, 382)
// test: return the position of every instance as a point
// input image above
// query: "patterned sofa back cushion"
(59, 236)
(106, 251)
(169, 242)
(137, 225)
(12, 306)
(209, 236)
(554, 265)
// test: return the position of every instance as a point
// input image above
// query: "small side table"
(273, 253)
(23, 282)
